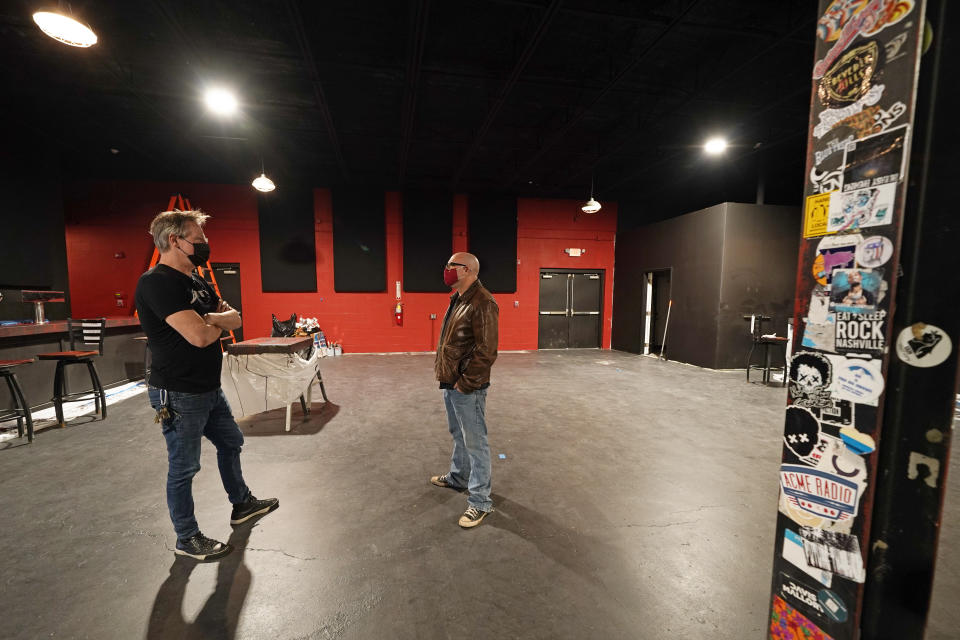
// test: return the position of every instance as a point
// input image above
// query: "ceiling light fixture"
(263, 183)
(65, 29)
(221, 101)
(715, 146)
(591, 206)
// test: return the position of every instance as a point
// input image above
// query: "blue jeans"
(470, 462)
(192, 416)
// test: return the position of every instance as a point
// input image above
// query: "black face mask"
(200, 255)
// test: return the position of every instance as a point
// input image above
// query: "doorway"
(570, 309)
(228, 281)
(656, 305)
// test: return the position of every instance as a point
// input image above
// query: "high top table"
(269, 345)
(288, 346)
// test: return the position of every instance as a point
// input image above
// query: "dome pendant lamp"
(65, 29)
(263, 183)
(591, 206)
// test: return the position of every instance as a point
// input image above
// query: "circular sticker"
(923, 345)
(858, 381)
(819, 271)
(874, 252)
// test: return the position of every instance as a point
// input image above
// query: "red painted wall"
(106, 218)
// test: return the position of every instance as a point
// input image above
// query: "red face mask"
(450, 277)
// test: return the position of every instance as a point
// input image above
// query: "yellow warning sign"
(816, 214)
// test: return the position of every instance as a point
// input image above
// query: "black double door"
(570, 306)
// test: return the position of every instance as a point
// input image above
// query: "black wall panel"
(288, 254)
(427, 240)
(359, 240)
(34, 251)
(492, 237)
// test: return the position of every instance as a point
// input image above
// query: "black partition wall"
(690, 245)
(359, 240)
(427, 239)
(725, 262)
(492, 237)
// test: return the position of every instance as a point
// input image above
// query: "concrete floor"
(637, 499)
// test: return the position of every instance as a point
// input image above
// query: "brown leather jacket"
(468, 341)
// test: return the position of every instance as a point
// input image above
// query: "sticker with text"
(858, 380)
(876, 160)
(844, 20)
(862, 208)
(793, 553)
(856, 290)
(822, 494)
(838, 553)
(811, 375)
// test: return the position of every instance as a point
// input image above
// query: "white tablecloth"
(257, 383)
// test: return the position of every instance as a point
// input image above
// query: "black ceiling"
(520, 96)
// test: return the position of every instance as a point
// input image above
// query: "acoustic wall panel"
(359, 240)
(492, 237)
(288, 255)
(427, 240)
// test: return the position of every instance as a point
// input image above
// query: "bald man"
(465, 354)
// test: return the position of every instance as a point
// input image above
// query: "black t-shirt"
(176, 364)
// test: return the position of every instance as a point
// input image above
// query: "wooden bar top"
(269, 345)
(59, 326)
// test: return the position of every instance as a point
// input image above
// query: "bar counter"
(122, 358)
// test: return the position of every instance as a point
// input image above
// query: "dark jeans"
(192, 416)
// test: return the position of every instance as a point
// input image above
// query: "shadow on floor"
(218, 618)
(574, 550)
(44, 425)
(272, 423)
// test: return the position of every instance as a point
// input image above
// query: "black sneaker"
(200, 547)
(472, 517)
(252, 507)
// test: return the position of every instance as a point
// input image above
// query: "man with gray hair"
(183, 318)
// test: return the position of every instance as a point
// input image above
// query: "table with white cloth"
(268, 373)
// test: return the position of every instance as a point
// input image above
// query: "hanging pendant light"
(591, 206)
(263, 183)
(65, 29)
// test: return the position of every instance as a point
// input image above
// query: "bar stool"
(758, 339)
(86, 333)
(21, 409)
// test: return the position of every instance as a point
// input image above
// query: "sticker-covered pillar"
(873, 375)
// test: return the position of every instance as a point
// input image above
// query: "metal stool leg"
(98, 389)
(303, 405)
(13, 395)
(23, 407)
(750, 359)
(96, 396)
(322, 390)
(58, 393)
(766, 363)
